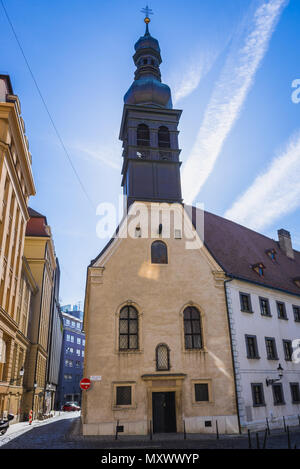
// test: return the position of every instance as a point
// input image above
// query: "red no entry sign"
(85, 383)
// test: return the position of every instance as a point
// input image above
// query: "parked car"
(4, 424)
(70, 407)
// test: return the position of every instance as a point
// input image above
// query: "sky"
(233, 68)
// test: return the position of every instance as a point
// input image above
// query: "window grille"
(162, 358)
(201, 392)
(128, 328)
(192, 328)
(123, 396)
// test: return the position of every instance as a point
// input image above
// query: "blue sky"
(230, 65)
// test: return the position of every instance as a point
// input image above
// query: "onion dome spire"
(147, 88)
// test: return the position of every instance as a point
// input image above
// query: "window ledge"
(195, 350)
(284, 319)
(124, 407)
(129, 352)
(4, 383)
(259, 405)
(266, 315)
(246, 311)
(202, 403)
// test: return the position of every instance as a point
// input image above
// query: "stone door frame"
(165, 383)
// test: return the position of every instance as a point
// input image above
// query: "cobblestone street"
(64, 433)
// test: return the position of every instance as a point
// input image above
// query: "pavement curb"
(76, 431)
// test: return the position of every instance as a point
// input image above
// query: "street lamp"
(269, 382)
(21, 373)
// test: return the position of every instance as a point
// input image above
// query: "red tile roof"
(237, 249)
(36, 225)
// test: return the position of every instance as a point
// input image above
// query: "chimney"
(285, 243)
(5, 87)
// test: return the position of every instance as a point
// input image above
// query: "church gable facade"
(191, 325)
(157, 334)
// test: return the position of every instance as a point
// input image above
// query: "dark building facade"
(72, 358)
(55, 344)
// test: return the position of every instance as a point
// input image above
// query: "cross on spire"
(147, 11)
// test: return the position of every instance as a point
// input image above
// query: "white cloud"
(274, 193)
(108, 153)
(247, 51)
(296, 243)
(194, 70)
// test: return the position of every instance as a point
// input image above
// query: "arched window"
(128, 328)
(162, 357)
(143, 136)
(192, 328)
(159, 253)
(163, 137)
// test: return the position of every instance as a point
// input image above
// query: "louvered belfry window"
(128, 328)
(163, 137)
(143, 135)
(192, 328)
(162, 357)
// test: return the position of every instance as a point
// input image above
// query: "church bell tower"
(151, 166)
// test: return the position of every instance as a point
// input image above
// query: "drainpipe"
(232, 355)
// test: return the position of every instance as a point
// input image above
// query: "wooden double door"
(164, 412)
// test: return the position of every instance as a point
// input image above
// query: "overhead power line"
(46, 108)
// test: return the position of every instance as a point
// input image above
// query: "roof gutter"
(232, 355)
(242, 279)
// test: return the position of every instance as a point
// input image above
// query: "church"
(163, 339)
(155, 312)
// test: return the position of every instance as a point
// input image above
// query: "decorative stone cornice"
(8, 112)
(219, 277)
(96, 275)
(5, 317)
(29, 275)
(163, 376)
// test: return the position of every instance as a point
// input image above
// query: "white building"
(263, 300)
(262, 343)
